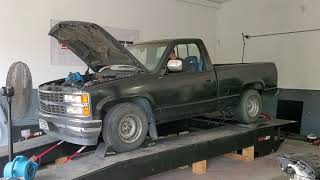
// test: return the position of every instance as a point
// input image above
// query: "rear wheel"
(125, 127)
(250, 106)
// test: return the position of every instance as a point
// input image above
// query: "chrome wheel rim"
(130, 128)
(253, 106)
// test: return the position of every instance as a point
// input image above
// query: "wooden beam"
(61, 161)
(199, 167)
(247, 154)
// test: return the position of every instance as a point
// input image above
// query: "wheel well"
(134, 100)
(255, 85)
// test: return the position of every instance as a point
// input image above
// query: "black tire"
(125, 127)
(250, 106)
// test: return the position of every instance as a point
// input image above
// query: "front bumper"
(72, 129)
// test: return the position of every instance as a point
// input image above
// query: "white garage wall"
(296, 56)
(25, 24)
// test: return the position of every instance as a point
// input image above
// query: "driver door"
(187, 93)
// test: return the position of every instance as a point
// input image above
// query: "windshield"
(148, 54)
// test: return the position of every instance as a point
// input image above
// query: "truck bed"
(233, 77)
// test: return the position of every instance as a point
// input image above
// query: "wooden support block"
(236, 156)
(247, 154)
(61, 161)
(199, 167)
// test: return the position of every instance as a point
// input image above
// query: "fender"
(254, 82)
(100, 105)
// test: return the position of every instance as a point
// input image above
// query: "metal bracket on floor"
(103, 150)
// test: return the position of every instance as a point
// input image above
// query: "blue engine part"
(20, 168)
(75, 77)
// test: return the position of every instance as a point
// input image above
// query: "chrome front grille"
(51, 108)
(51, 97)
(52, 102)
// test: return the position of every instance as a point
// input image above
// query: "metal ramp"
(165, 154)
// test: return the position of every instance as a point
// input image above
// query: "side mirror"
(174, 65)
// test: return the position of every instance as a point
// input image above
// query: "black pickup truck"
(129, 91)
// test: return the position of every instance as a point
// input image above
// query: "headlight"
(79, 104)
(72, 98)
(78, 110)
(83, 98)
(74, 110)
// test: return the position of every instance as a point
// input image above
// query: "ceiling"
(218, 1)
(206, 3)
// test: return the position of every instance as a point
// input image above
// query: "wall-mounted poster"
(61, 55)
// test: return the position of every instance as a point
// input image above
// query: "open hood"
(93, 45)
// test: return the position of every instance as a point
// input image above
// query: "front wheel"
(250, 106)
(125, 127)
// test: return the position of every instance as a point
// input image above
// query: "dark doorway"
(290, 110)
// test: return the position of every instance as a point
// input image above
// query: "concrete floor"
(223, 168)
